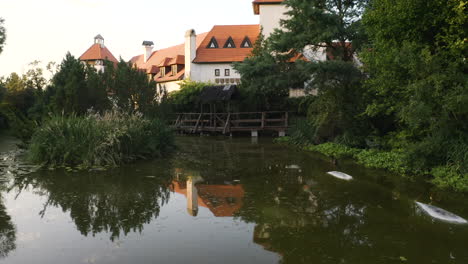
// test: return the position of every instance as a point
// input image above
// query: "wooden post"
(177, 121)
(198, 121)
(227, 126)
(263, 120)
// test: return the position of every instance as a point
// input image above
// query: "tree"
(130, 87)
(2, 34)
(330, 26)
(75, 88)
(34, 77)
(187, 98)
(418, 81)
(333, 25)
(265, 80)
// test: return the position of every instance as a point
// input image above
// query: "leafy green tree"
(75, 88)
(186, 99)
(17, 95)
(334, 25)
(265, 80)
(34, 77)
(313, 27)
(130, 88)
(418, 81)
(2, 34)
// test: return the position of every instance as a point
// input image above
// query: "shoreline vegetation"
(444, 177)
(391, 93)
(98, 140)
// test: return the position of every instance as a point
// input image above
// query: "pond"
(220, 200)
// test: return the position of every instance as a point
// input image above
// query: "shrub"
(390, 160)
(186, 99)
(450, 177)
(334, 150)
(301, 132)
(109, 139)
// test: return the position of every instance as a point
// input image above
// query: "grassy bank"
(446, 177)
(93, 140)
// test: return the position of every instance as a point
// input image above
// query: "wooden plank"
(226, 126)
(196, 125)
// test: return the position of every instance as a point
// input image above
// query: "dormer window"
(213, 44)
(246, 43)
(229, 43)
(174, 69)
(163, 71)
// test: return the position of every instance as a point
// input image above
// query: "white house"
(208, 57)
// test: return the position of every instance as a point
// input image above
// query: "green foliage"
(418, 85)
(21, 126)
(2, 34)
(450, 177)
(393, 161)
(186, 99)
(130, 88)
(284, 140)
(326, 24)
(17, 95)
(335, 112)
(75, 88)
(110, 139)
(301, 132)
(334, 150)
(265, 78)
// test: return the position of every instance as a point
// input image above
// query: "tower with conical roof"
(97, 54)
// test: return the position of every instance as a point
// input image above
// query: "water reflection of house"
(221, 199)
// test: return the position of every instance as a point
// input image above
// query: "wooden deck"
(231, 122)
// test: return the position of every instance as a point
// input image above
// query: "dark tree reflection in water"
(7, 232)
(99, 202)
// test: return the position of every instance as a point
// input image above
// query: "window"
(227, 72)
(174, 69)
(213, 44)
(217, 72)
(229, 43)
(163, 71)
(246, 43)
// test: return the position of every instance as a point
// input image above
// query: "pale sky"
(46, 29)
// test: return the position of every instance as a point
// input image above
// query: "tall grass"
(108, 139)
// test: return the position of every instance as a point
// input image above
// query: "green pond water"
(220, 200)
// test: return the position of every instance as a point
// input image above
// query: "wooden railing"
(229, 122)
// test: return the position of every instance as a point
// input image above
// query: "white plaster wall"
(270, 16)
(312, 54)
(206, 72)
(171, 86)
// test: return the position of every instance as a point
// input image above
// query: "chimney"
(148, 46)
(190, 51)
(99, 40)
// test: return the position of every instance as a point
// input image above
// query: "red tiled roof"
(165, 62)
(158, 56)
(179, 59)
(153, 69)
(222, 34)
(170, 76)
(256, 4)
(98, 52)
